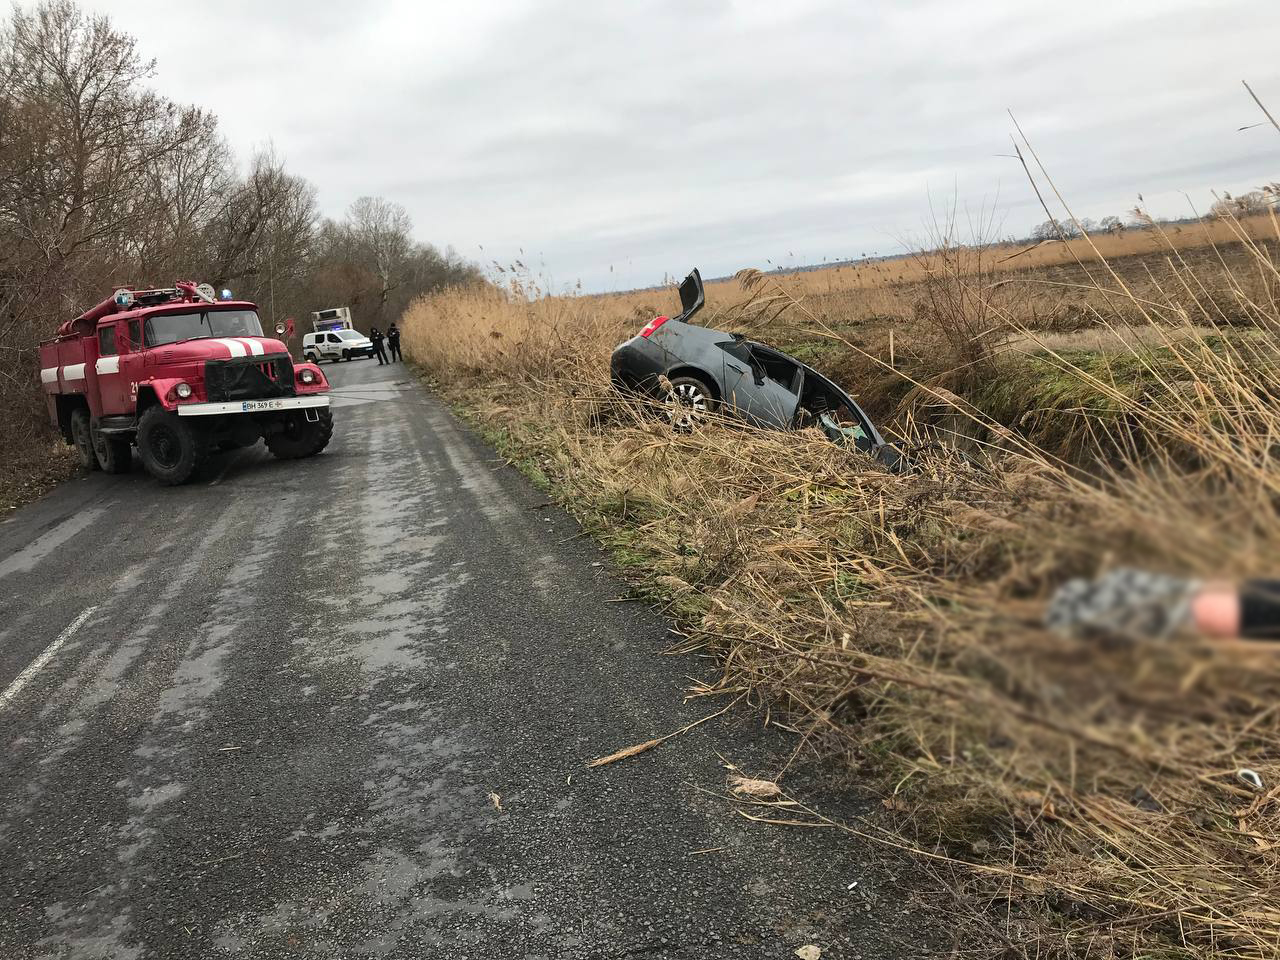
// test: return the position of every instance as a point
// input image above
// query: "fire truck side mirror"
(280, 329)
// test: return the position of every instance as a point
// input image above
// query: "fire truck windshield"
(171, 327)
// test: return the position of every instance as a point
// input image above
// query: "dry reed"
(1088, 787)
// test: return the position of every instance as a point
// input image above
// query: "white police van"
(336, 345)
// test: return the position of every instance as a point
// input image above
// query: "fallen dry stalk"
(635, 750)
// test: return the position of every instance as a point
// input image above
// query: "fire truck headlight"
(307, 376)
(183, 390)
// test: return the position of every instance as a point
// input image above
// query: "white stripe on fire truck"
(49, 375)
(234, 347)
(73, 371)
(254, 346)
(107, 365)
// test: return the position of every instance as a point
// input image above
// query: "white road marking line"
(38, 663)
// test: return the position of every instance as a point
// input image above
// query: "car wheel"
(689, 403)
(310, 358)
(114, 453)
(299, 437)
(171, 448)
(82, 439)
(346, 354)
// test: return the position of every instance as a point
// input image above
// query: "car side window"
(741, 352)
(107, 341)
(334, 338)
(779, 369)
(135, 335)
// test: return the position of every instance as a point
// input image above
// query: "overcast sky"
(617, 142)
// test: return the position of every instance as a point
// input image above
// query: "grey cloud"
(646, 136)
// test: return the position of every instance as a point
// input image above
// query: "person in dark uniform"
(376, 337)
(393, 341)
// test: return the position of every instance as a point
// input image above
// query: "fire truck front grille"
(249, 378)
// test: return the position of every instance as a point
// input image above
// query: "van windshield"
(350, 335)
(171, 327)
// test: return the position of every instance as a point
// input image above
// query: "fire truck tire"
(301, 437)
(114, 454)
(171, 448)
(82, 439)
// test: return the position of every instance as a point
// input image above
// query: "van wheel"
(346, 354)
(115, 454)
(300, 437)
(689, 403)
(171, 449)
(310, 358)
(82, 439)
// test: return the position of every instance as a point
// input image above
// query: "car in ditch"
(696, 371)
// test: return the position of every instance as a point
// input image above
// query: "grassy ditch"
(1083, 792)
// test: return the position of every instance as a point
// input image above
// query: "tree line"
(106, 183)
(1251, 204)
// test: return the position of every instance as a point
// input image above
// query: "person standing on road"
(376, 337)
(393, 341)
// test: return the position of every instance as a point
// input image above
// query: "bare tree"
(105, 183)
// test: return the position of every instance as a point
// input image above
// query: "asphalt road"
(343, 707)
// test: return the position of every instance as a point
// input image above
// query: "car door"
(761, 385)
(111, 383)
(333, 346)
(131, 361)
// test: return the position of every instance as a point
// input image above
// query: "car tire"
(310, 358)
(346, 354)
(114, 453)
(689, 402)
(171, 449)
(82, 439)
(301, 437)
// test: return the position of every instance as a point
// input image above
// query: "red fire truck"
(179, 373)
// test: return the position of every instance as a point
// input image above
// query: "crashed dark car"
(696, 371)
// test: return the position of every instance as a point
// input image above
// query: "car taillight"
(651, 326)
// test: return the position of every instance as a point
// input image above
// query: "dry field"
(1081, 794)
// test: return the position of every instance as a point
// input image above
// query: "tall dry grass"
(1083, 791)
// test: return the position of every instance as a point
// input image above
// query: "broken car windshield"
(171, 327)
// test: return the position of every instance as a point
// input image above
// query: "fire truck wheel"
(171, 449)
(114, 454)
(300, 437)
(82, 439)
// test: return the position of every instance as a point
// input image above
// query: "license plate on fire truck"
(257, 406)
(252, 406)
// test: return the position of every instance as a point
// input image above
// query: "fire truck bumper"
(251, 406)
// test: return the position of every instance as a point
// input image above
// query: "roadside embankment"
(1085, 787)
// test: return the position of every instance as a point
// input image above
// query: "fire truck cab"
(178, 373)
